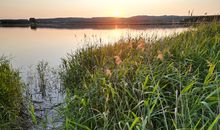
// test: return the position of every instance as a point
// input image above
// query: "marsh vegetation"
(11, 99)
(172, 83)
(136, 83)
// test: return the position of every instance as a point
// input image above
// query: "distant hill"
(72, 22)
(14, 23)
(111, 20)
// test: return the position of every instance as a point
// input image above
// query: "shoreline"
(102, 26)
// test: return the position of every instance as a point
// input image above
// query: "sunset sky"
(99, 8)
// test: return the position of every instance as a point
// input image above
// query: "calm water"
(27, 47)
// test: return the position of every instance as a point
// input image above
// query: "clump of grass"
(171, 83)
(10, 96)
(41, 71)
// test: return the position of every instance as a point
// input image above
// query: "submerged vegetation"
(137, 83)
(171, 83)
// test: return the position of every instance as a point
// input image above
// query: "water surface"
(27, 47)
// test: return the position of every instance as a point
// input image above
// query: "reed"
(170, 83)
(10, 96)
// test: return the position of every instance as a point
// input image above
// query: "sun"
(117, 13)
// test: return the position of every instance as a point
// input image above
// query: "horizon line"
(56, 17)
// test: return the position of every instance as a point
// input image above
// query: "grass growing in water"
(172, 83)
(10, 96)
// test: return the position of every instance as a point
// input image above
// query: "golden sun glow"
(117, 13)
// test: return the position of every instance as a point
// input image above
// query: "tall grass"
(10, 96)
(171, 83)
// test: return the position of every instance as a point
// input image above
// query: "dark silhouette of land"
(199, 19)
(102, 22)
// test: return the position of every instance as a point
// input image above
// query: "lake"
(27, 47)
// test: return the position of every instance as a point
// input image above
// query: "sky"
(104, 8)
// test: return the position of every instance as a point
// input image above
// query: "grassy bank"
(10, 96)
(140, 83)
(171, 83)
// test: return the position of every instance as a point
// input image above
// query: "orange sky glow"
(104, 8)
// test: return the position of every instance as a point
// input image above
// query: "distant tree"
(33, 23)
(32, 20)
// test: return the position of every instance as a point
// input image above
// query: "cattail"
(141, 44)
(160, 55)
(118, 60)
(108, 72)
